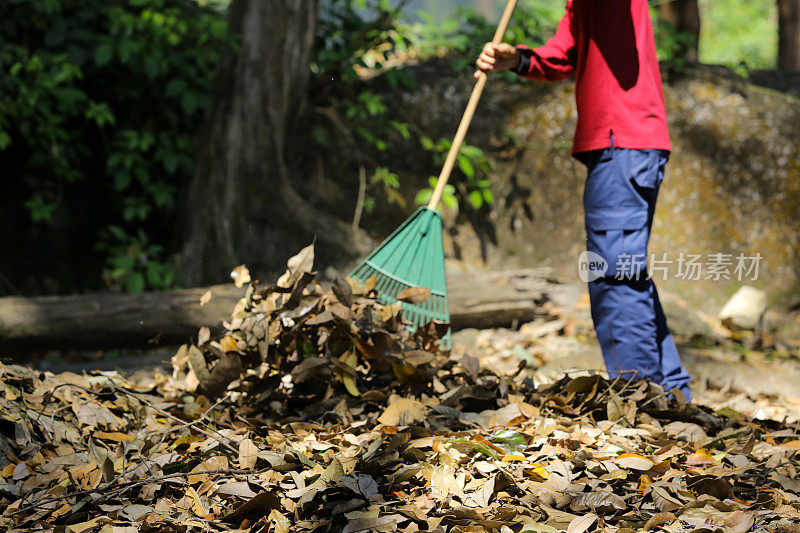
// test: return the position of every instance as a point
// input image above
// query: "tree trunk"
(684, 15)
(243, 204)
(789, 35)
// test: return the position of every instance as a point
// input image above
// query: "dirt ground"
(725, 374)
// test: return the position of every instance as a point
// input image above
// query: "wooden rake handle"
(452, 155)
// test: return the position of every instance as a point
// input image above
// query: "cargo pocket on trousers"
(646, 169)
(619, 236)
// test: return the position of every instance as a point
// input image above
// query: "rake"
(413, 256)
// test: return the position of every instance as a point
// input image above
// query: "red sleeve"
(556, 59)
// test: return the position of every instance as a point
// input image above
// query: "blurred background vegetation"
(739, 33)
(101, 103)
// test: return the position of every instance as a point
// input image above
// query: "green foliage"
(357, 36)
(40, 210)
(468, 185)
(739, 32)
(358, 39)
(389, 183)
(449, 199)
(671, 45)
(736, 33)
(462, 36)
(133, 263)
(99, 102)
(367, 114)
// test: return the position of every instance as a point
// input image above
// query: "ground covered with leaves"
(317, 410)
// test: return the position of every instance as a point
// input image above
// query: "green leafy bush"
(468, 185)
(355, 36)
(462, 36)
(356, 40)
(133, 263)
(359, 39)
(99, 102)
(739, 33)
(671, 44)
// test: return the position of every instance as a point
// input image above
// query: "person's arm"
(556, 59)
(553, 61)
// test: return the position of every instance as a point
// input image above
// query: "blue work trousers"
(619, 201)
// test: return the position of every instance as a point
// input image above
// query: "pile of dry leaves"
(317, 411)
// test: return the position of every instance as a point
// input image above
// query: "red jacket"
(610, 48)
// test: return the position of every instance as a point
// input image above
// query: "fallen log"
(487, 299)
(105, 320)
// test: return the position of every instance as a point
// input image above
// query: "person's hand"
(497, 57)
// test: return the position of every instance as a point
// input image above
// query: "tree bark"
(684, 15)
(789, 35)
(243, 204)
(118, 320)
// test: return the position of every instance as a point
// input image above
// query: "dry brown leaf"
(739, 522)
(74, 379)
(94, 414)
(700, 457)
(281, 523)
(659, 519)
(300, 264)
(81, 527)
(219, 462)
(229, 344)
(241, 489)
(663, 499)
(599, 500)
(349, 379)
(557, 517)
(248, 454)
(197, 361)
(701, 513)
(197, 506)
(582, 523)
(713, 486)
(634, 461)
(509, 415)
(205, 298)
(444, 482)
(376, 523)
(203, 336)
(414, 295)
(402, 412)
(259, 506)
(8, 470)
(114, 436)
(240, 276)
(471, 365)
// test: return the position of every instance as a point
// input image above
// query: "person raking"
(622, 138)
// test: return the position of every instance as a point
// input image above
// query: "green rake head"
(413, 256)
